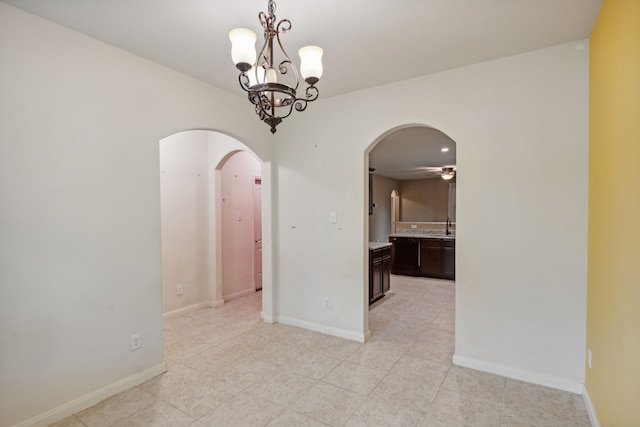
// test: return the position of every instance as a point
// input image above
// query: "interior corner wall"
(80, 253)
(613, 337)
(521, 241)
(380, 220)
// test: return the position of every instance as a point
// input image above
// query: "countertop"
(421, 234)
(378, 245)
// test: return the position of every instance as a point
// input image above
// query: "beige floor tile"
(302, 338)
(243, 410)
(335, 347)
(279, 353)
(283, 387)
(532, 416)
(116, 408)
(423, 349)
(354, 377)
(412, 367)
(386, 413)
(291, 418)
(202, 396)
(185, 348)
(68, 422)
(378, 354)
(545, 399)
(412, 392)
(328, 403)
(312, 364)
(176, 377)
(248, 372)
(475, 383)
(453, 409)
(157, 415)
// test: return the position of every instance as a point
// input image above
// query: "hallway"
(227, 368)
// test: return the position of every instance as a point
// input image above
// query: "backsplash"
(423, 227)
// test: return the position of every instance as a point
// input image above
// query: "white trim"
(519, 374)
(88, 400)
(189, 309)
(591, 410)
(218, 303)
(239, 294)
(324, 329)
(267, 318)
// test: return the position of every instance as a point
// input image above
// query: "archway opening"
(197, 225)
(412, 211)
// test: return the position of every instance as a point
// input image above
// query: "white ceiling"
(413, 153)
(366, 43)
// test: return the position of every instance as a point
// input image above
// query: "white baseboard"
(590, 408)
(239, 294)
(88, 400)
(216, 304)
(189, 309)
(324, 329)
(267, 318)
(519, 374)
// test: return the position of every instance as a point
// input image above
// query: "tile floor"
(227, 368)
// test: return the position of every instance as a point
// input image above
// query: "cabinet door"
(376, 277)
(449, 259)
(431, 257)
(405, 256)
(386, 270)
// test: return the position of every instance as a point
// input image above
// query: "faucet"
(448, 225)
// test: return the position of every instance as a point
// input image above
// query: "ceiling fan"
(426, 171)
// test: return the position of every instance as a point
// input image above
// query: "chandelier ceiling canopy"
(270, 78)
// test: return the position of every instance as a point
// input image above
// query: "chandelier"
(266, 78)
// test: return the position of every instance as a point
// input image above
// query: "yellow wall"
(613, 307)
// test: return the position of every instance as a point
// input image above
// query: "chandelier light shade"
(270, 78)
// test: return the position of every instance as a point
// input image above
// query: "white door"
(257, 233)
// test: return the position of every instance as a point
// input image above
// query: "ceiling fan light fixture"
(264, 76)
(448, 173)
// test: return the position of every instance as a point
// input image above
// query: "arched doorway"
(191, 164)
(408, 164)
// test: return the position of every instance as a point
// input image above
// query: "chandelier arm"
(285, 64)
(244, 81)
(312, 93)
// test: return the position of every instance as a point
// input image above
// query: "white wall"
(380, 220)
(184, 196)
(80, 262)
(237, 179)
(521, 241)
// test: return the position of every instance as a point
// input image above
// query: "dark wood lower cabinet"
(449, 259)
(405, 252)
(427, 257)
(379, 272)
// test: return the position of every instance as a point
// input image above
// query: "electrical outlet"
(179, 289)
(414, 226)
(326, 302)
(135, 342)
(590, 358)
